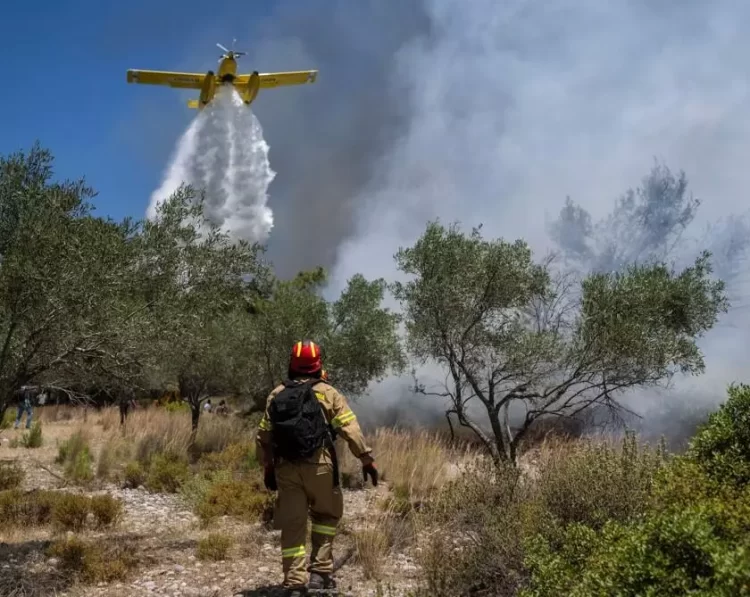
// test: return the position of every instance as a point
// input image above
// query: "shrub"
(241, 499)
(134, 475)
(112, 454)
(177, 406)
(6, 419)
(236, 457)
(99, 562)
(70, 511)
(475, 534)
(215, 547)
(74, 455)
(167, 473)
(107, 510)
(382, 532)
(33, 508)
(693, 537)
(693, 551)
(592, 483)
(722, 445)
(33, 437)
(11, 476)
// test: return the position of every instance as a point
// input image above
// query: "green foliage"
(107, 510)
(7, 418)
(93, 561)
(134, 475)
(177, 407)
(358, 335)
(167, 473)
(508, 330)
(11, 476)
(197, 280)
(33, 437)
(691, 538)
(65, 300)
(593, 483)
(675, 553)
(70, 511)
(34, 508)
(228, 483)
(214, 547)
(722, 445)
(74, 454)
(241, 499)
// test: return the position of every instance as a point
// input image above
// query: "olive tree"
(196, 280)
(357, 334)
(66, 314)
(523, 343)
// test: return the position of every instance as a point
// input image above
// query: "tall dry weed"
(159, 431)
(414, 463)
(383, 532)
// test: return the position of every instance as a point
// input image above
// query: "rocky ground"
(163, 534)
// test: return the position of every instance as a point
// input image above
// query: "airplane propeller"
(229, 52)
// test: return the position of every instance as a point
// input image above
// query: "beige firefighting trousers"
(306, 488)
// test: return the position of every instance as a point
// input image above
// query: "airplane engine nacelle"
(208, 88)
(253, 86)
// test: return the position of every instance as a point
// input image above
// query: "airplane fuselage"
(227, 70)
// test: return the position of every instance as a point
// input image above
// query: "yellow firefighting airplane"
(246, 85)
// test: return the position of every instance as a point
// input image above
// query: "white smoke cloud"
(514, 105)
(224, 153)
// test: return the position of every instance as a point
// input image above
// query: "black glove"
(372, 472)
(269, 479)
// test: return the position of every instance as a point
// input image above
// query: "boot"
(300, 591)
(320, 581)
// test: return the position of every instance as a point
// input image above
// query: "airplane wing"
(172, 79)
(299, 77)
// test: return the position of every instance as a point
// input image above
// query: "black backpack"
(299, 425)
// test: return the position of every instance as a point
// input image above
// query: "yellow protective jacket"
(337, 413)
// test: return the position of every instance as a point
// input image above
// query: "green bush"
(214, 547)
(92, 562)
(70, 511)
(33, 437)
(134, 475)
(232, 498)
(722, 445)
(692, 538)
(11, 476)
(21, 509)
(74, 455)
(107, 510)
(167, 473)
(7, 418)
(177, 407)
(703, 549)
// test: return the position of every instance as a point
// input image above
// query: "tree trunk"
(195, 415)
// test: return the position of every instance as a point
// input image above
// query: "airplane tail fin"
(193, 104)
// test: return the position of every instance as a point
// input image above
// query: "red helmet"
(305, 357)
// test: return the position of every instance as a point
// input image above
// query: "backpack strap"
(330, 437)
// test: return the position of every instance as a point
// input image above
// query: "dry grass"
(55, 413)
(214, 547)
(413, 463)
(158, 431)
(93, 562)
(385, 531)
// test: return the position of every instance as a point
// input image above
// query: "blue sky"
(64, 67)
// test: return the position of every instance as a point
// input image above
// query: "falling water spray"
(223, 153)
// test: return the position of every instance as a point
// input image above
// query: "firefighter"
(295, 443)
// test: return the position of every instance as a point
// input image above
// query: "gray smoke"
(495, 112)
